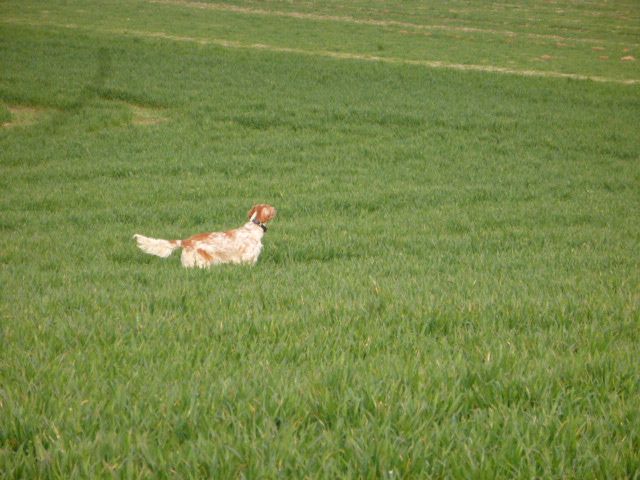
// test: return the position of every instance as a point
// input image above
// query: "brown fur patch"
(204, 254)
(199, 237)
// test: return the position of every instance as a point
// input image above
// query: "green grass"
(566, 39)
(450, 289)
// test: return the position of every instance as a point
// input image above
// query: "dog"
(240, 245)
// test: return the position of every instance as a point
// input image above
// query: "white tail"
(156, 246)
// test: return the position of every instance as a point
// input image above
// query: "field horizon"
(451, 288)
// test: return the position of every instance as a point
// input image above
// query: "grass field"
(451, 288)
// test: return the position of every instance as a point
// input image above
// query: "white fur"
(155, 246)
(242, 245)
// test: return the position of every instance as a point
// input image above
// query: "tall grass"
(450, 288)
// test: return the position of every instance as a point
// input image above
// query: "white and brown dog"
(241, 245)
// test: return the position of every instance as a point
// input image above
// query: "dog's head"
(262, 213)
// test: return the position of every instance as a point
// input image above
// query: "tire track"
(436, 64)
(372, 22)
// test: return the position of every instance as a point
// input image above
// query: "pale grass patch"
(24, 116)
(145, 116)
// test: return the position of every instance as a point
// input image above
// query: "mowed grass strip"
(450, 289)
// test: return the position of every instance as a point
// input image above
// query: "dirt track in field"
(326, 53)
(364, 21)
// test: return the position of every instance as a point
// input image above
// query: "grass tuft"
(450, 288)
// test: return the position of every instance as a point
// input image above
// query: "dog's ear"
(262, 212)
(265, 213)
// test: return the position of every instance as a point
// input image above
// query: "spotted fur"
(240, 245)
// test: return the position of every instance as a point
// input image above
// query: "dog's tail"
(156, 246)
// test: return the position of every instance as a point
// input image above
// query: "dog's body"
(240, 245)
